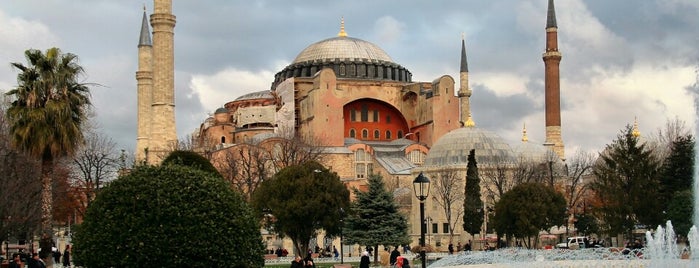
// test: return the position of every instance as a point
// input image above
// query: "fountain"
(661, 251)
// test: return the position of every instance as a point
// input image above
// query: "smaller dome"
(531, 152)
(221, 111)
(453, 148)
(265, 94)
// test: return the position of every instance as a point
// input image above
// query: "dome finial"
(469, 121)
(635, 132)
(342, 32)
(524, 133)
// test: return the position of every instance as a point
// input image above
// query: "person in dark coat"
(66, 256)
(297, 262)
(36, 262)
(364, 261)
(394, 255)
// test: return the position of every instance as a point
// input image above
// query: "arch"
(375, 115)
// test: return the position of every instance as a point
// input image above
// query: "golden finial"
(469, 122)
(342, 32)
(635, 132)
(524, 133)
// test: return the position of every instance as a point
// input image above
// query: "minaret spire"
(144, 91)
(524, 132)
(552, 84)
(464, 91)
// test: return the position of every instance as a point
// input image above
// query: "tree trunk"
(46, 241)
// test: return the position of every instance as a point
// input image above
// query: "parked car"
(575, 242)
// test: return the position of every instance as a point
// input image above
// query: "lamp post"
(421, 186)
(342, 226)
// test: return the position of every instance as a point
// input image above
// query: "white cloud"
(226, 85)
(388, 29)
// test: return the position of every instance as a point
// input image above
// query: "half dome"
(453, 148)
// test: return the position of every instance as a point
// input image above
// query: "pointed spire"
(551, 17)
(145, 31)
(342, 32)
(524, 133)
(464, 62)
(635, 132)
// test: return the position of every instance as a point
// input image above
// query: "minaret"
(552, 59)
(464, 91)
(144, 79)
(163, 136)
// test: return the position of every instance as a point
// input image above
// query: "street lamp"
(421, 186)
(342, 226)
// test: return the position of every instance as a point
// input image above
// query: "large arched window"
(377, 134)
(388, 134)
(353, 133)
(365, 133)
(363, 164)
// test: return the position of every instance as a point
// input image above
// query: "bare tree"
(664, 137)
(448, 194)
(576, 189)
(495, 177)
(95, 164)
(245, 166)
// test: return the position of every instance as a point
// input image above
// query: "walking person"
(36, 262)
(394, 255)
(297, 262)
(364, 261)
(66, 256)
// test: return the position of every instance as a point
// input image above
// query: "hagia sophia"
(363, 109)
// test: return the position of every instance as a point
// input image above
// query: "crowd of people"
(22, 259)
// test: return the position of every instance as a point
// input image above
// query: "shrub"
(190, 159)
(168, 216)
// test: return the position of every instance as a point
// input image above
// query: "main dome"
(342, 47)
(453, 148)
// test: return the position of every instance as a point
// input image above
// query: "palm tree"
(46, 115)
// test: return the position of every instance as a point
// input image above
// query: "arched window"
(416, 157)
(388, 134)
(353, 133)
(223, 139)
(400, 134)
(377, 134)
(365, 133)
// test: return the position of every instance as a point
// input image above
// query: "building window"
(416, 157)
(377, 134)
(435, 228)
(223, 139)
(388, 134)
(353, 115)
(376, 115)
(365, 133)
(445, 228)
(365, 113)
(363, 166)
(342, 70)
(352, 133)
(400, 134)
(388, 119)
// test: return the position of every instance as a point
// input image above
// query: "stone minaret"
(552, 59)
(144, 78)
(464, 91)
(163, 136)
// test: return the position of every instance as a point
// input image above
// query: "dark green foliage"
(627, 185)
(374, 218)
(678, 168)
(473, 205)
(190, 159)
(680, 210)
(168, 216)
(302, 200)
(527, 209)
(586, 224)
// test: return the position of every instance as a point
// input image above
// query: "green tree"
(677, 171)
(627, 185)
(301, 199)
(46, 115)
(374, 218)
(169, 216)
(473, 205)
(190, 159)
(679, 211)
(527, 209)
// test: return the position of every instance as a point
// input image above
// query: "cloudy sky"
(621, 59)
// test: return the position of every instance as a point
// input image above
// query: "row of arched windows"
(376, 134)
